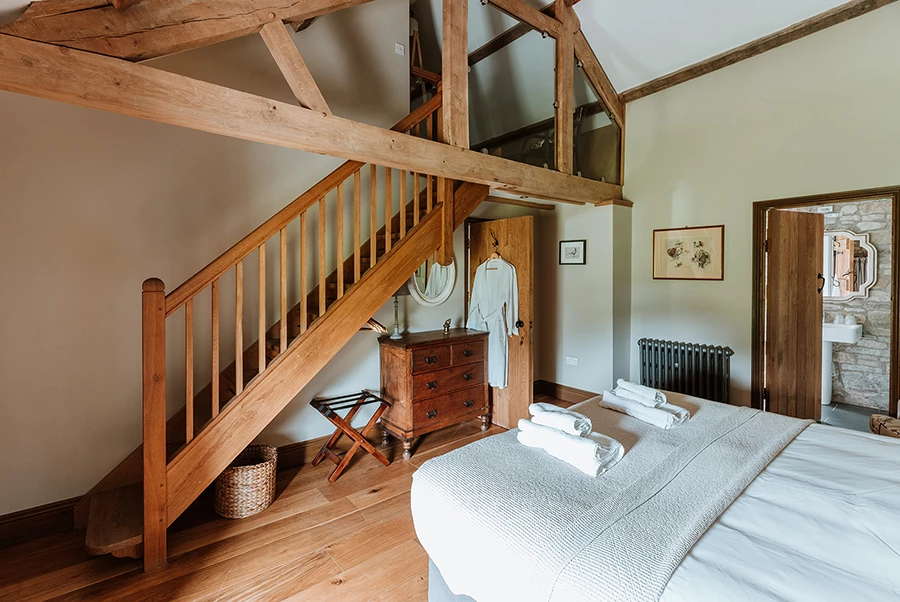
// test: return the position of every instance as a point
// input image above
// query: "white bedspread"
(820, 523)
(504, 522)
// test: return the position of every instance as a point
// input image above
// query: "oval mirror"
(850, 265)
(432, 283)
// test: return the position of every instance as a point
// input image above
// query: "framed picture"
(696, 253)
(572, 252)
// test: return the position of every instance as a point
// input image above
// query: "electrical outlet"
(399, 48)
(572, 361)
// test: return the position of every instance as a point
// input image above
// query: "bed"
(733, 505)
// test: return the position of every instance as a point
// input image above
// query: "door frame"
(760, 208)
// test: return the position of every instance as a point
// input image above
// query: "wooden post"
(445, 197)
(565, 94)
(154, 422)
(455, 73)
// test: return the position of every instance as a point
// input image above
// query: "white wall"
(94, 203)
(583, 310)
(815, 116)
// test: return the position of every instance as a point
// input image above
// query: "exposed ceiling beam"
(109, 84)
(506, 38)
(837, 15)
(293, 67)
(597, 76)
(152, 29)
(454, 73)
(521, 203)
(46, 8)
(564, 107)
(518, 9)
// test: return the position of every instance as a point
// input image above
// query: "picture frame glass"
(689, 253)
(572, 252)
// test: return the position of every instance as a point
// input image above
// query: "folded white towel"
(592, 455)
(627, 394)
(665, 417)
(642, 390)
(560, 418)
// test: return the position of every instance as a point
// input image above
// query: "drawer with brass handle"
(435, 358)
(451, 406)
(430, 384)
(469, 352)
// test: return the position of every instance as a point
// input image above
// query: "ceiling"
(639, 40)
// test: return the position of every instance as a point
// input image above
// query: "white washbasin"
(841, 333)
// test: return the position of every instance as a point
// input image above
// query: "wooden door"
(515, 243)
(794, 281)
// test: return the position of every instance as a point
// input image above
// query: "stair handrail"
(224, 262)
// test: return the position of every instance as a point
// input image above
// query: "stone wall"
(862, 371)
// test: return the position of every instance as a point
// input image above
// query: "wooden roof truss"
(87, 52)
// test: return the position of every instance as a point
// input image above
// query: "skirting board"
(32, 523)
(563, 392)
(57, 517)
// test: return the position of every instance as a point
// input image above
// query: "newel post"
(154, 421)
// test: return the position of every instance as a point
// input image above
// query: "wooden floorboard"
(350, 540)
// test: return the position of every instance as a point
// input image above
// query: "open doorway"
(825, 306)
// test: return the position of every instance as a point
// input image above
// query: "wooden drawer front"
(432, 358)
(432, 384)
(453, 405)
(469, 352)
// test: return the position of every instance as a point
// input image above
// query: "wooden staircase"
(410, 217)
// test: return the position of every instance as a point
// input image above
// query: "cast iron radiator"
(699, 370)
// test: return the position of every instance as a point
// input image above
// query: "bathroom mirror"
(432, 283)
(850, 265)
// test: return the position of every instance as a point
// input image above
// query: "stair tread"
(115, 524)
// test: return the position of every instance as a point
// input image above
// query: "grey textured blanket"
(505, 522)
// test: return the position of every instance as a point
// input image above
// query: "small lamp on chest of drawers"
(403, 291)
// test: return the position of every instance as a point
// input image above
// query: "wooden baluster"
(282, 239)
(322, 274)
(429, 129)
(304, 309)
(339, 243)
(402, 203)
(373, 216)
(388, 207)
(439, 120)
(429, 195)
(357, 182)
(188, 370)
(153, 343)
(261, 320)
(238, 328)
(215, 348)
(416, 192)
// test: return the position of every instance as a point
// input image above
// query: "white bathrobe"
(495, 308)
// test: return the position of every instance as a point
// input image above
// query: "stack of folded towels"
(644, 403)
(567, 436)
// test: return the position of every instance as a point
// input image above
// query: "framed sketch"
(696, 253)
(572, 252)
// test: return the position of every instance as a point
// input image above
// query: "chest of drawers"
(433, 380)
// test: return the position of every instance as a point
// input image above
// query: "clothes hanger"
(496, 253)
(496, 243)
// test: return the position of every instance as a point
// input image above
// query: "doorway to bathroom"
(825, 306)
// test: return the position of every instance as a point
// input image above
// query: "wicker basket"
(247, 486)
